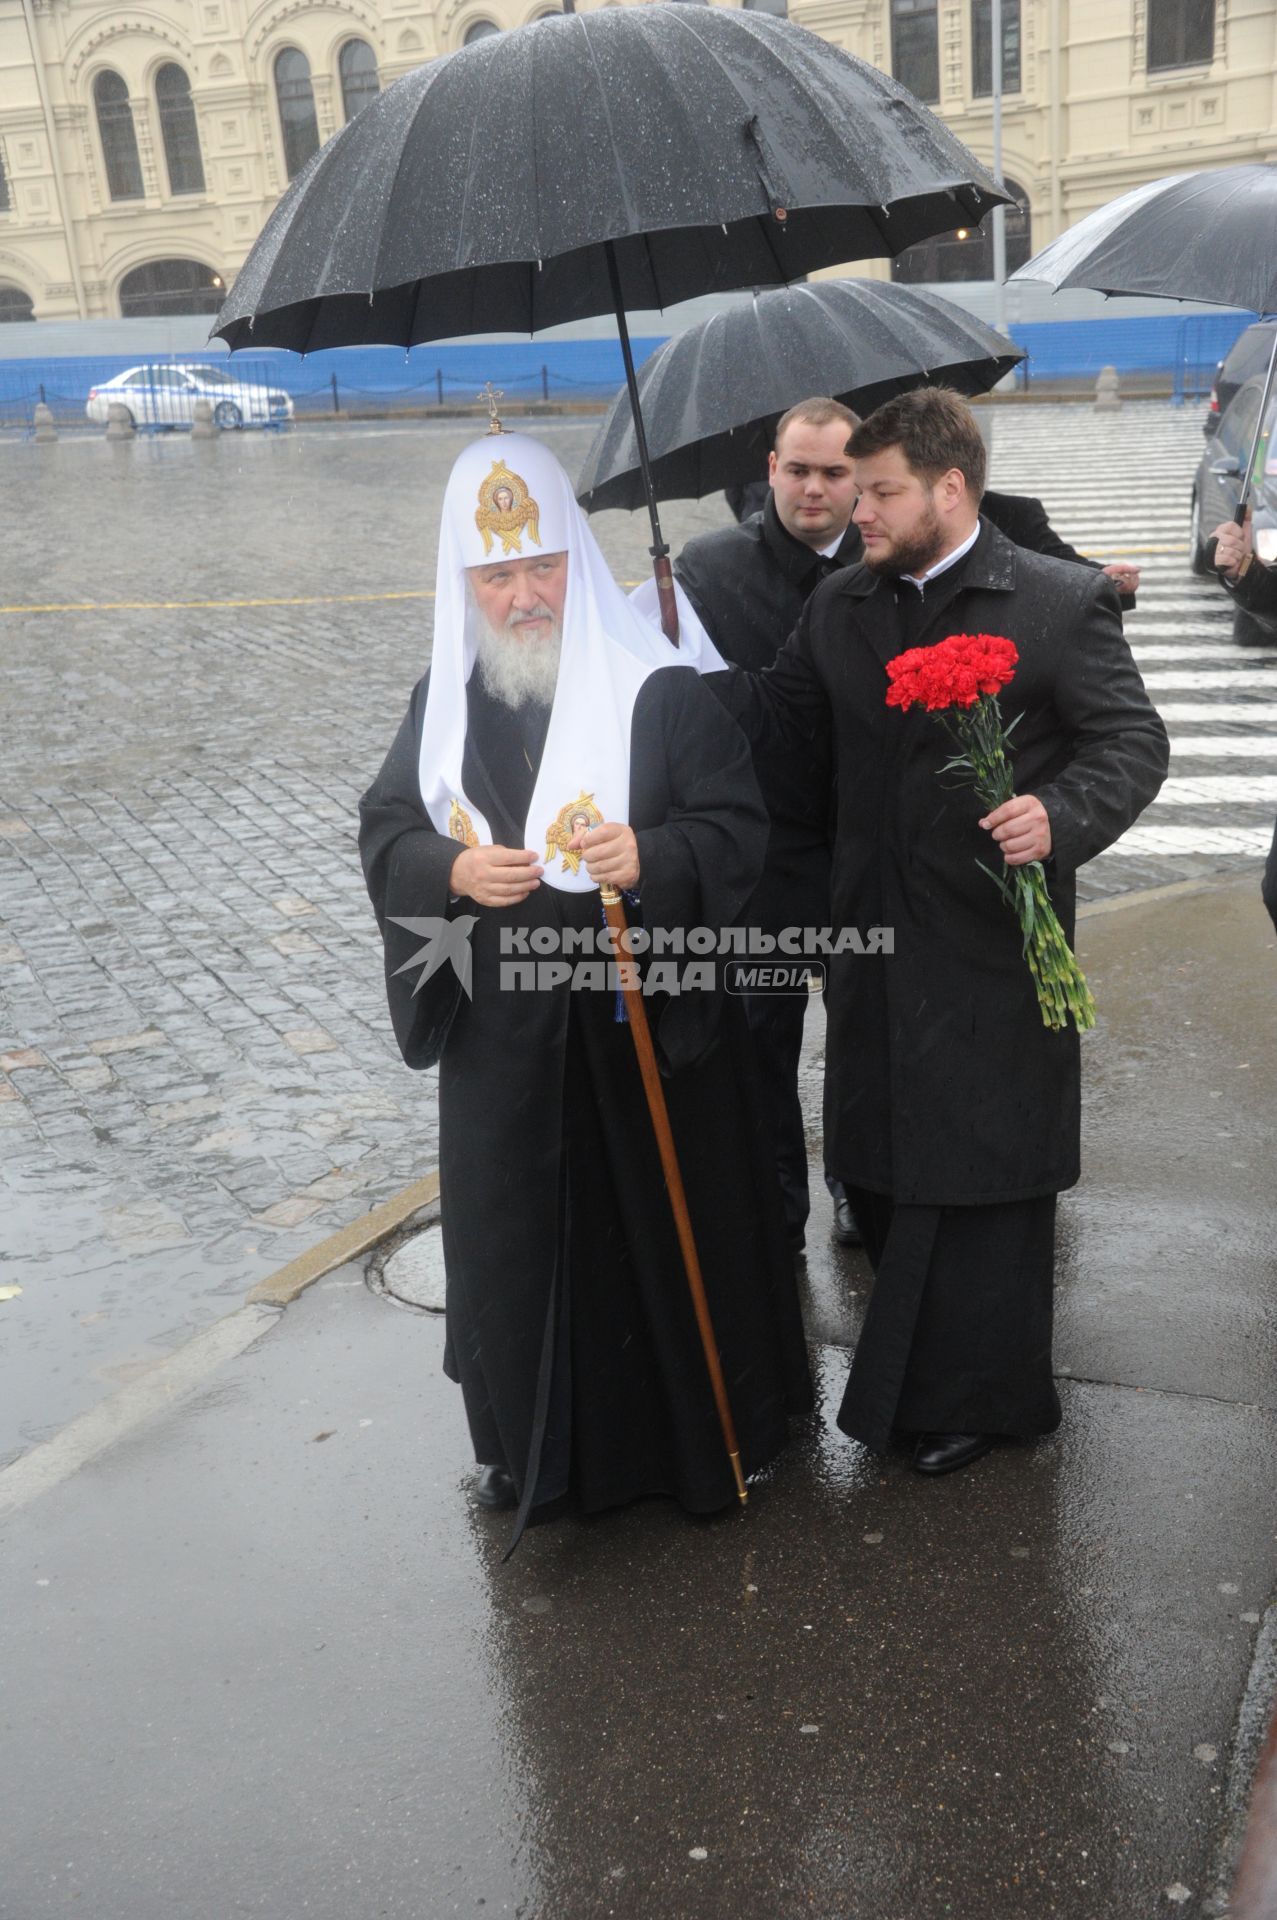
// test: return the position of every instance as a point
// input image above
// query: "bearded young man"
(951, 1113)
(559, 742)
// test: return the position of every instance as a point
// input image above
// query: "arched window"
(357, 65)
(170, 286)
(967, 252)
(296, 99)
(5, 202)
(178, 130)
(778, 7)
(479, 31)
(15, 305)
(119, 141)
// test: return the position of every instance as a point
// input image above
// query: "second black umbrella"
(711, 396)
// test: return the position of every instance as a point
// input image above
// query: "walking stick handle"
(614, 909)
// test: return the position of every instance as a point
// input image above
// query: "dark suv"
(1247, 356)
(1217, 489)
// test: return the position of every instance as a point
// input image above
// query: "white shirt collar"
(950, 560)
(827, 553)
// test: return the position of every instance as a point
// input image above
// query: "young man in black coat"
(749, 584)
(952, 1114)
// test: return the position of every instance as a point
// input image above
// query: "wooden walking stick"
(614, 910)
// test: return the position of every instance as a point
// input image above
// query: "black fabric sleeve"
(1256, 592)
(407, 867)
(784, 710)
(1269, 888)
(1120, 749)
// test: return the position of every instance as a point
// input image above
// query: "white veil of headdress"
(609, 647)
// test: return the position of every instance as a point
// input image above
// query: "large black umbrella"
(711, 396)
(1208, 236)
(629, 157)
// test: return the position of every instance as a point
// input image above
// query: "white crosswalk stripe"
(1119, 485)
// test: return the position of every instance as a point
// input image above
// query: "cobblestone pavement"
(197, 1077)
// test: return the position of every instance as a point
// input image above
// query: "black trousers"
(776, 1023)
(957, 1336)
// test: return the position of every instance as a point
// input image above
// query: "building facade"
(142, 147)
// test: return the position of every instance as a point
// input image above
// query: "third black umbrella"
(1208, 236)
(711, 396)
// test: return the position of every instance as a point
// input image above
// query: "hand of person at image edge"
(1234, 547)
(1021, 828)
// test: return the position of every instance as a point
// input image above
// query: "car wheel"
(1198, 558)
(1249, 632)
(227, 415)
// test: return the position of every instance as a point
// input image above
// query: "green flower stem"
(981, 759)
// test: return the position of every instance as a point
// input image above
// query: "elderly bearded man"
(558, 742)
(951, 1112)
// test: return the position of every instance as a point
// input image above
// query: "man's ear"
(771, 468)
(953, 489)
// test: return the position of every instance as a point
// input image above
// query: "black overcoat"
(569, 1323)
(749, 584)
(942, 1086)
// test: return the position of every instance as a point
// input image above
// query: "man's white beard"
(515, 671)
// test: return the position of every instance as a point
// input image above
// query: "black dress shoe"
(495, 1489)
(846, 1232)
(946, 1452)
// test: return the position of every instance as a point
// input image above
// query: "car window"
(212, 376)
(135, 379)
(1238, 426)
(1249, 354)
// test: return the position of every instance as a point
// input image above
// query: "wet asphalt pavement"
(266, 1660)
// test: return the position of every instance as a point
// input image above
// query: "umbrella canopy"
(716, 148)
(1191, 236)
(711, 396)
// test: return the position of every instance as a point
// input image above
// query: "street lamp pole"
(999, 212)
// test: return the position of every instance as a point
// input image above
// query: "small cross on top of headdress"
(490, 395)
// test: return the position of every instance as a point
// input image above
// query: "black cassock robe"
(569, 1323)
(951, 1114)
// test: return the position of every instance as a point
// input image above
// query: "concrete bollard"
(45, 431)
(119, 422)
(1108, 394)
(202, 424)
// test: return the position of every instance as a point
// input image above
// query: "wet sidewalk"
(264, 1658)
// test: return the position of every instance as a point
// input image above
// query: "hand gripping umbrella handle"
(614, 909)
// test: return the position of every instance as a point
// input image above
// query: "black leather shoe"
(495, 1489)
(946, 1452)
(846, 1232)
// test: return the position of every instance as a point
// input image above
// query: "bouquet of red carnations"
(958, 680)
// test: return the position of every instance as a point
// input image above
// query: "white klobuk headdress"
(508, 498)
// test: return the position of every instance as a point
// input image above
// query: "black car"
(1247, 356)
(1217, 489)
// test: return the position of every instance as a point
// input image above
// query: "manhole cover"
(413, 1274)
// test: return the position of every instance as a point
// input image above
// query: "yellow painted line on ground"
(1121, 553)
(183, 606)
(361, 1236)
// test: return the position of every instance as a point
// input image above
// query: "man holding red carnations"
(965, 803)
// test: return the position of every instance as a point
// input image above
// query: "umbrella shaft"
(659, 549)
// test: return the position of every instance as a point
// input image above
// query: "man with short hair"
(749, 584)
(555, 717)
(952, 1113)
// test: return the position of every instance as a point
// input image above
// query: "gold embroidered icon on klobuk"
(507, 509)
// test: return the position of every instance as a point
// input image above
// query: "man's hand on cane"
(611, 853)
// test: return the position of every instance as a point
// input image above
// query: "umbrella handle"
(663, 573)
